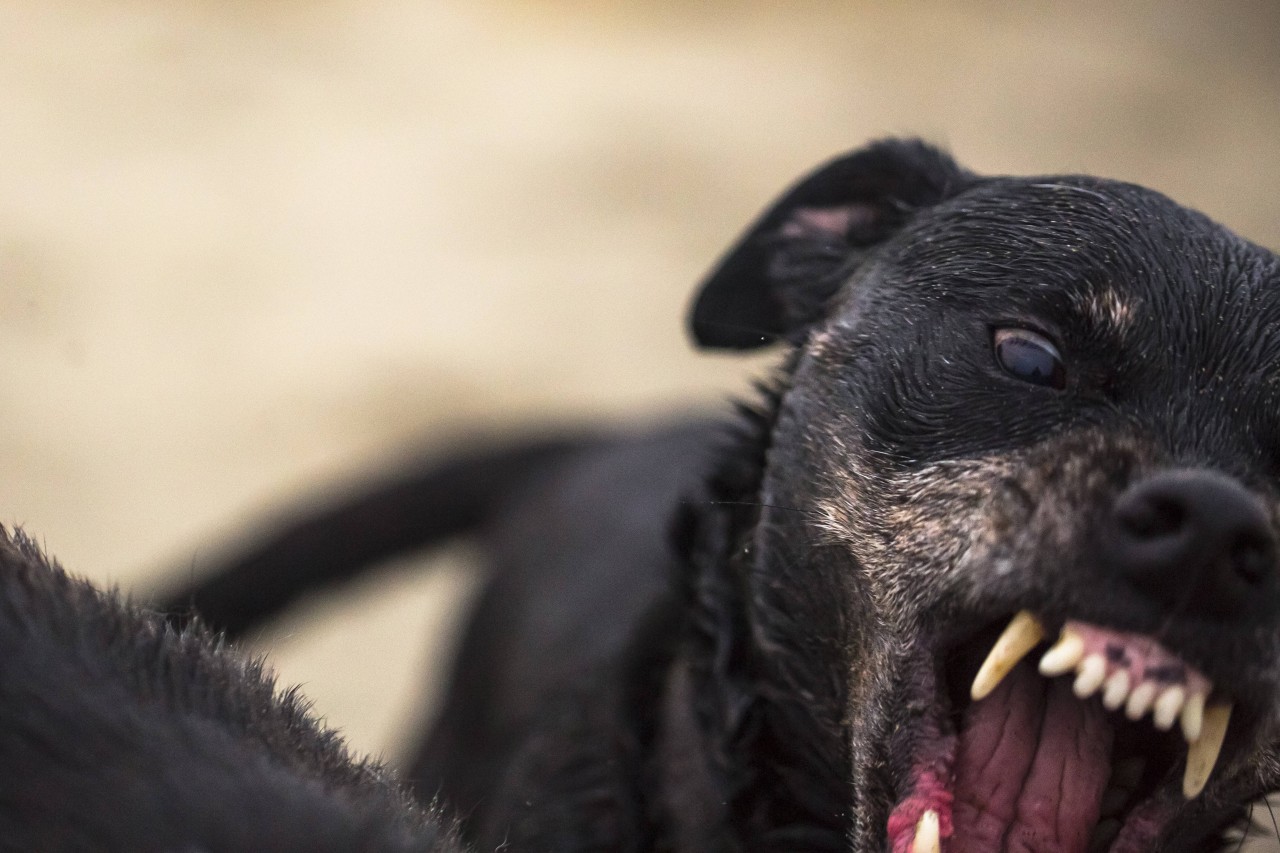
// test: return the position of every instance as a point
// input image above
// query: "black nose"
(1196, 540)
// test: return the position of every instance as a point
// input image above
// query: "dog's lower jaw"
(1025, 768)
(1029, 766)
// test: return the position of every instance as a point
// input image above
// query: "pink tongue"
(1031, 767)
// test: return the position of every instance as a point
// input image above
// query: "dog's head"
(1051, 404)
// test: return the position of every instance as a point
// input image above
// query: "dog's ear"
(779, 276)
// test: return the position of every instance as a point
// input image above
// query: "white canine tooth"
(1167, 707)
(1140, 700)
(1202, 754)
(1116, 691)
(928, 834)
(1193, 717)
(1064, 655)
(1093, 671)
(1022, 635)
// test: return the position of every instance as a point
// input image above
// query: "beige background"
(250, 248)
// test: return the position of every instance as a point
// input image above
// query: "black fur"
(118, 733)
(788, 660)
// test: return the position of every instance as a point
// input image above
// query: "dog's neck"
(725, 746)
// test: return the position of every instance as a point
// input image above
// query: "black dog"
(1015, 414)
(118, 733)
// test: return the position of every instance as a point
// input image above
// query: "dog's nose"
(1196, 540)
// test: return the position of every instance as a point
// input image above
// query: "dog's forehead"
(1112, 254)
(1069, 229)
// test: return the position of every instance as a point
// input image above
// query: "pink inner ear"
(823, 221)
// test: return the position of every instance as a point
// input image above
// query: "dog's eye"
(1030, 357)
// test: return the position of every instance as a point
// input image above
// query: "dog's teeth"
(1193, 717)
(1064, 655)
(1116, 691)
(928, 834)
(1140, 700)
(1202, 754)
(1023, 633)
(1167, 708)
(1093, 671)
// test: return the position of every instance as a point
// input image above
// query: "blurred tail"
(424, 506)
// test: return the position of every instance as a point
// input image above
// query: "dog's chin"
(1032, 747)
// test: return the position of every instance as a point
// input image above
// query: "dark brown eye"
(1031, 357)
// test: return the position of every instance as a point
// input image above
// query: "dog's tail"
(423, 505)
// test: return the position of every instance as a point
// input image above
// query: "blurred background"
(249, 250)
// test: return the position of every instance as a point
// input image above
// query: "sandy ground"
(248, 250)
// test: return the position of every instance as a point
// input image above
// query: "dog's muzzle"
(1074, 748)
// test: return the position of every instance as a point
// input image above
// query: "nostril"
(1251, 555)
(1151, 516)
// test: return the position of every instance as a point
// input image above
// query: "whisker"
(1274, 826)
(1244, 833)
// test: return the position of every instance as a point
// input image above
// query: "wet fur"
(894, 492)
(118, 733)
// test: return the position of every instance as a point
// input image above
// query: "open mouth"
(1074, 748)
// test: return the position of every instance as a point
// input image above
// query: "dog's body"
(120, 735)
(1052, 397)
